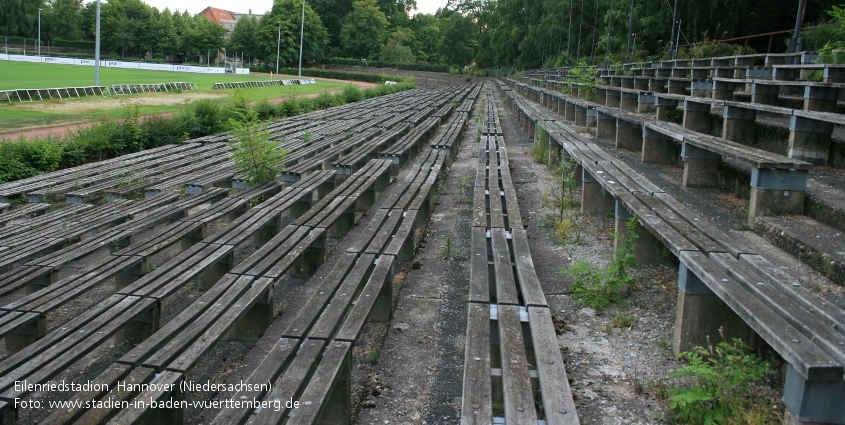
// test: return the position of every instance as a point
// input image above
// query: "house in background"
(225, 18)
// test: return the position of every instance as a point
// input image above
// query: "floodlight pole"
(97, 49)
(278, 48)
(39, 32)
(301, 38)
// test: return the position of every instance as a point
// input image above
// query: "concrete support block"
(641, 83)
(601, 96)
(723, 90)
(766, 94)
(580, 115)
(257, 319)
(739, 124)
(785, 74)
(627, 83)
(834, 75)
(216, 271)
(628, 101)
(678, 87)
(699, 73)
(701, 88)
(647, 248)
(820, 99)
(697, 116)
(701, 167)
(591, 115)
(646, 103)
(26, 335)
(569, 111)
(337, 408)
(310, 259)
(130, 275)
(657, 85)
(383, 307)
(657, 147)
(809, 140)
(757, 73)
(139, 329)
(594, 199)
(612, 98)
(118, 244)
(193, 238)
(40, 283)
(605, 126)
(776, 191)
(812, 402)
(628, 135)
(700, 314)
(616, 81)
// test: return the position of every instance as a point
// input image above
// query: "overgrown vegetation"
(448, 250)
(724, 384)
(252, 151)
(586, 78)
(24, 158)
(598, 287)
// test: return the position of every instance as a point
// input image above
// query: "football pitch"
(26, 75)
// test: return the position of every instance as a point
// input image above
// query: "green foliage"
(363, 29)
(599, 287)
(833, 50)
(352, 93)
(372, 355)
(721, 385)
(586, 77)
(448, 250)
(253, 152)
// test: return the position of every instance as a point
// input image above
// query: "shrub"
(596, 287)
(721, 385)
(253, 152)
(351, 93)
(288, 108)
(265, 110)
(325, 101)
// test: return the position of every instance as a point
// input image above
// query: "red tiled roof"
(217, 15)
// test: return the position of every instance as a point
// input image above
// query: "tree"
(332, 13)
(19, 18)
(458, 40)
(252, 151)
(243, 38)
(398, 48)
(364, 29)
(62, 19)
(288, 12)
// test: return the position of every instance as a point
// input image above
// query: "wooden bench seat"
(23, 212)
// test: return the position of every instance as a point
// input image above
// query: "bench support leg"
(138, 330)
(809, 140)
(657, 148)
(701, 167)
(812, 402)
(256, 320)
(25, 336)
(775, 191)
(594, 199)
(628, 136)
(739, 125)
(605, 127)
(697, 116)
(700, 315)
(647, 249)
(311, 259)
(130, 275)
(194, 237)
(40, 283)
(216, 271)
(338, 404)
(343, 224)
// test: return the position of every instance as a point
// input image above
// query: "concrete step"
(820, 246)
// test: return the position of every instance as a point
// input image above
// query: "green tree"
(62, 19)
(458, 40)
(19, 18)
(252, 150)
(332, 14)
(243, 38)
(364, 29)
(398, 48)
(288, 12)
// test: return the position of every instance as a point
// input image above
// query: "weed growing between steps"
(598, 288)
(724, 384)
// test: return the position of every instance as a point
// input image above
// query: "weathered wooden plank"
(519, 397)
(506, 291)
(354, 322)
(529, 283)
(342, 300)
(558, 405)
(477, 401)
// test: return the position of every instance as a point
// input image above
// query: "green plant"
(659, 343)
(253, 151)
(448, 250)
(372, 355)
(539, 152)
(464, 183)
(625, 321)
(720, 385)
(599, 287)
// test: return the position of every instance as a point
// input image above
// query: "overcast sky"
(257, 6)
